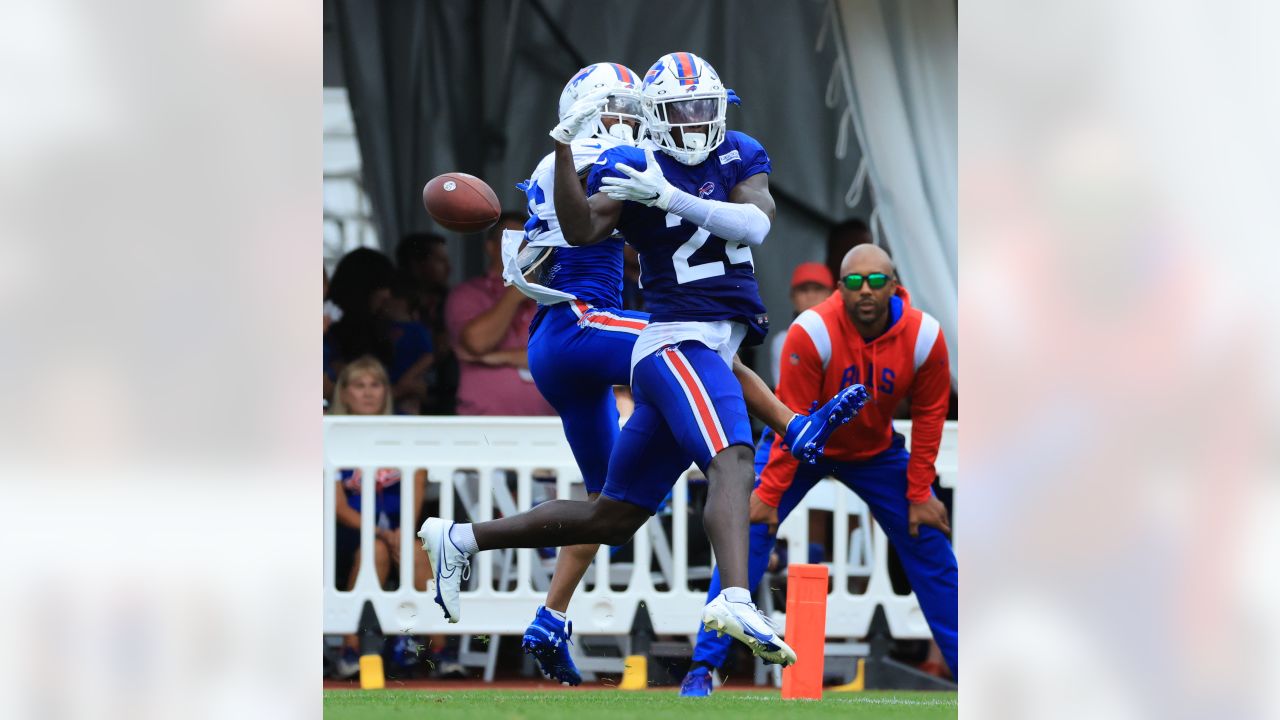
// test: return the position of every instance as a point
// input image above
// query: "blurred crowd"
(462, 350)
(444, 351)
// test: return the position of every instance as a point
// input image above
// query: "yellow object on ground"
(371, 677)
(859, 681)
(635, 675)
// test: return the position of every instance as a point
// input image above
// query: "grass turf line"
(618, 705)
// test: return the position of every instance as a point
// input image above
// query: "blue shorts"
(577, 353)
(689, 408)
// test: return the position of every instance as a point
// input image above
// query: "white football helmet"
(683, 91)
(623, 87)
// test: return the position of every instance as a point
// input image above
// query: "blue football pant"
(576, 356)
(689, 408)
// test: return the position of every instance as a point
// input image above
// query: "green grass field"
(620, 705)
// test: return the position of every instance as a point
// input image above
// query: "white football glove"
(581, 114)
(647, 188)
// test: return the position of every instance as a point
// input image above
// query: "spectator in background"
(423, 261)
(811, 283)
(844, 237)
(363, 388)
(866, 332)
(489, 327)
(414, 349)
(361, 288)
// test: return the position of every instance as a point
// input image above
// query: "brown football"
(461, 202)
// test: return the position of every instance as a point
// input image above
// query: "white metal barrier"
(459, 452)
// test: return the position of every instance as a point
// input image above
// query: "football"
(461, 202)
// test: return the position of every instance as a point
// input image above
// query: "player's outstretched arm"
(583, 220)
(755, 191)
(761, 402)
(745, 219)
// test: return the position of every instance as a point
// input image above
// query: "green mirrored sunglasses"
(853, 281)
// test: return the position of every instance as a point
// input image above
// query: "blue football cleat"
(547, 640)
(807, 434)
(697, 682)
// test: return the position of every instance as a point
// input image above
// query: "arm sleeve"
(930, 395)
(799, 384)
(737, 222)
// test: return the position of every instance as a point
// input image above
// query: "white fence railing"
(470, 462)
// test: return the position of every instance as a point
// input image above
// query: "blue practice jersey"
(687, 273)
(591, 273)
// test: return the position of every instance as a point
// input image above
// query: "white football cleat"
(452, 566)
(744, 622)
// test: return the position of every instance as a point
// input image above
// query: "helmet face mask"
(688, 129)
(622, 119)
(685, 104)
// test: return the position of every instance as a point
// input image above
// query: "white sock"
(558, 615)
(464, 538)
(736, 594)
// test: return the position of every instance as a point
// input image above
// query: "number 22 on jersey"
(686, 273)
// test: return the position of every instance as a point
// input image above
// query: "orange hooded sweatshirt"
(824, 353)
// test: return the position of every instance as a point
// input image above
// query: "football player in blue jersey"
(581, 345)
(580, 340)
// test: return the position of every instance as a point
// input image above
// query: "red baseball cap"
(812, 272)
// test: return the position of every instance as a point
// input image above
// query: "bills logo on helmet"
(706, 190)
(653, 73)
(582, 75)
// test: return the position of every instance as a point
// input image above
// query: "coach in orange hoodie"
(866, 332)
